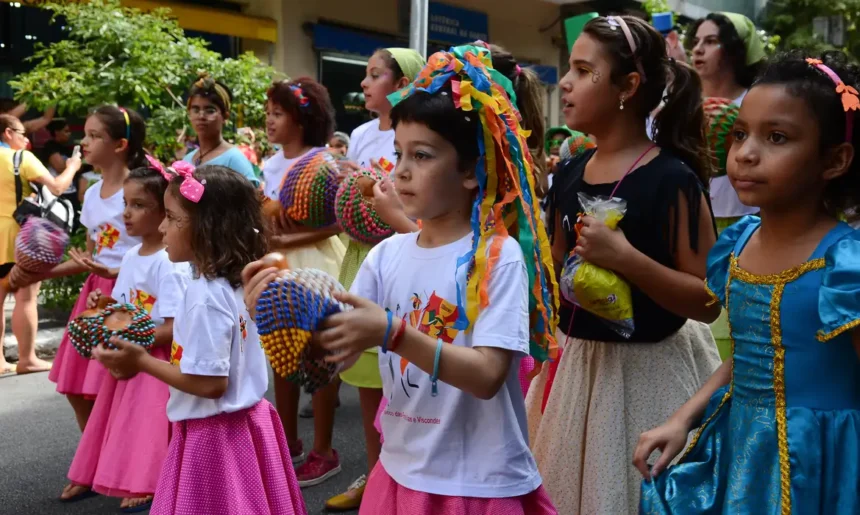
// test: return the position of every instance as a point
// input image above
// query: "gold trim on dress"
(779, 390)
(714, 298)
(826, 337)
(786, 276)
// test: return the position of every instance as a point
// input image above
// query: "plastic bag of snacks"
(597, 290)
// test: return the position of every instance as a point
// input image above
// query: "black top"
(651, 192)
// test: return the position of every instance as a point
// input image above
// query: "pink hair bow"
(191, 188)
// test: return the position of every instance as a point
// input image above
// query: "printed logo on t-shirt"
(243, 328)
(435, 318)
(141, 299)
(175, 353)
(108, 236)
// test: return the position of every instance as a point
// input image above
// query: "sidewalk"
(47, 339)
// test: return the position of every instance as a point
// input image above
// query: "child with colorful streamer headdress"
(455, 306)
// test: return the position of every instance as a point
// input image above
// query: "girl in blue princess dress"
(779, 422)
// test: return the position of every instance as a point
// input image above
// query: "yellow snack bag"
(597, 290)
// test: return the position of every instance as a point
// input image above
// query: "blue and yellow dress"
(784, 436)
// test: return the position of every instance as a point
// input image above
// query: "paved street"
(38, 436)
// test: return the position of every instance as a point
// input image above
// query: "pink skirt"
(527, 364)
(229, 464)
(384, 496)
(123, 447)
(74, 374)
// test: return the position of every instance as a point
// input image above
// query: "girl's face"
(206, 117)
(774, 157)
(176, 230)
(142, 214)
(707, 50)
(427, 178)
(589, 97)
(555, 144)
(97, 147)
(280, 126)
(377, 85)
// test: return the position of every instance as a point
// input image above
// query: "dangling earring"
(621, 107)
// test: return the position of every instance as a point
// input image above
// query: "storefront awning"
(340, 39)
(205, 19)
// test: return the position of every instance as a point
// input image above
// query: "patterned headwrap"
(506, 199)
(207, 83)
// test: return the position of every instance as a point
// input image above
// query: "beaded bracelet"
(434, 391)
(395, 340)
(387, 331)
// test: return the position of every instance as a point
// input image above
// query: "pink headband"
(191, 188)
(850, 102)
(618, 21)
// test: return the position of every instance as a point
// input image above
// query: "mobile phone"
(77, 151)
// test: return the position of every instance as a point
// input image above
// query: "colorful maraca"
(355, 211)
(39, 247)
(720, 115)
(575, 145)
(288, 311)
(125, 321)
(309, 188)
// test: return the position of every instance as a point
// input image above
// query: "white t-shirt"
(274, 170)
(724, 198)
(368, 142)
(453, 444)
(215, 336)
(152, 282)
(103, 219)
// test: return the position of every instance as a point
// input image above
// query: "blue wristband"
(387, 331)
(434, 390)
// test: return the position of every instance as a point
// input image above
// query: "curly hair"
(227, 228)
(734, 48)
(814, 87)
(316, 116)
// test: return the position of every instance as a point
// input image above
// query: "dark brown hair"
(204, 87)
(680, 125)
(734, 47)
(152, 181)
(113, 118)
(816, 89)
(227, 229)
(531, 97)
(316, 118)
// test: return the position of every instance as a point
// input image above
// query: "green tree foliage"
(119, 55)
(793, 21)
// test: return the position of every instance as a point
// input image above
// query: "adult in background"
(339, 144)
(12, 108)
(25, 318)
(727, 53)
(209, 103)
(54, 155)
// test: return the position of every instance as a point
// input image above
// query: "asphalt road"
(38, 437)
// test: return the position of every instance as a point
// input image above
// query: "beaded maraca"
(125, 321)
(39, 247)
(288, 311)
(355, 211)
(309, 188)
(720, 115)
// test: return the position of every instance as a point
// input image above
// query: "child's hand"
(348, 333)
(82, 258)
(256, 278)
(670, 438)
(600, 245)
(122, 362)
(93, 299)
(345, 167)
(387, 203)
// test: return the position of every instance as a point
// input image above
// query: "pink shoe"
(317, 469)
(297, 452)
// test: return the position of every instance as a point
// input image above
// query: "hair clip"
(191, 188)
(518, 70)
(848, 95)
(300, 95)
